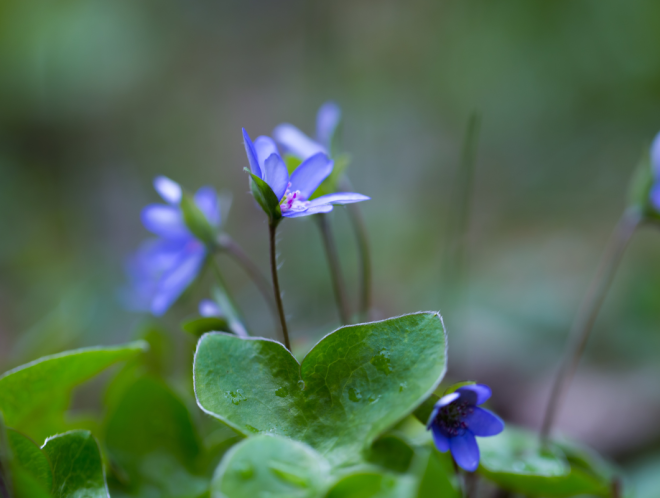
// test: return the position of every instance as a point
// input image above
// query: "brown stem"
(338, 285)
(272, 228)
(587, 314)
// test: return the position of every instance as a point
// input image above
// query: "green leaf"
(30, 458)
(150, 430)
(516, 461)
(35, 396)
(196, 221)
(373, 483)
(199, 326)
(439, 477)
(265, 196)
(272, 465)
(77, 466)
(354, 384)
(391, 452)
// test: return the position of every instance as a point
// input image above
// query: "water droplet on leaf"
(235, 396)
(402, 386)
(282, 392)
(354, 394)
(382, 361)
(301, 385)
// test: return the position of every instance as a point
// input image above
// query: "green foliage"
(77, 466)
(152, 443)
(30, 458)
(282, 467)
(355, 383)
(373, 483)
(517, 461)
(266, 198)
(35, 396)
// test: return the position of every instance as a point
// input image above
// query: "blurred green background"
(98, 97)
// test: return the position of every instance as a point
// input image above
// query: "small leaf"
(265, 196)
(272, 465)
(77, 466)
(35, 396)
(196, 221)
(458, 385)
(354, 384)
(199, 326)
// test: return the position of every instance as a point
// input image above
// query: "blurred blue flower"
(296, 143)
(209, 308)
(456, 420)
(654, 194)
(293, 193)
(164, 267)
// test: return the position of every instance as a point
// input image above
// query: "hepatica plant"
(361, 415)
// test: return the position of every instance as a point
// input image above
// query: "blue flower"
(654, 194)
(456, 420)
(209, 308)
(295, 142)
(293, 193)
(164, 267)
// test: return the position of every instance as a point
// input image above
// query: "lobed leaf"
(354, 384)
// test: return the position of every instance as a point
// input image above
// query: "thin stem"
(459, 478)
(272, 228)
(338, 285)
(229, 245)
(456, 267)
(588, 312)
(227, 303)
(360, 230)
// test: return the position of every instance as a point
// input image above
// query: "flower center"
(293, 201)
(451, 418)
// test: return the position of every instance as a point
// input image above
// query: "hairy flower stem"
(229, 245)
(338, 286)
(360, 230)
(588, 312)
(272, 229)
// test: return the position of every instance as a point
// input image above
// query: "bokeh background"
(98, 97)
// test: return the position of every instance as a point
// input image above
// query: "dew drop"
(282, 392)
(382, 361)
(252, 429)
(301, 385)
(402, 386)
(235, 396)
(354, 394)
(374, 399)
